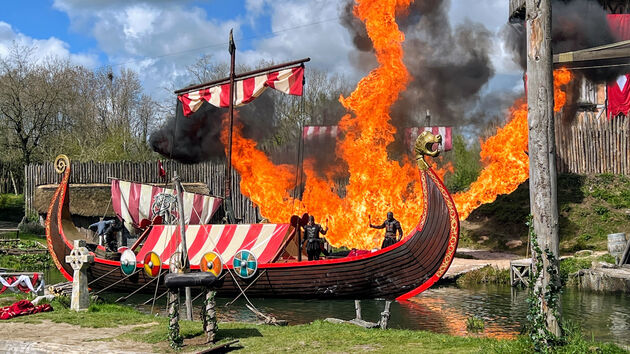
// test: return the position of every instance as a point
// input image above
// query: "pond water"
(445, 309)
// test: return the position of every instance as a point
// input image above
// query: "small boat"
(399, 271)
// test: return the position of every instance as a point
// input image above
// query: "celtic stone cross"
(80, 258)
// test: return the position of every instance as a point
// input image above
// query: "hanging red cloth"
(619, 96)
(619, 91)
(619, 26)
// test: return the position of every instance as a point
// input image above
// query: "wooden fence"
(592, 145)
(210, 173)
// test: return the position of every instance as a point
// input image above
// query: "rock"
(483, 239)
(584, 253)
(606, 265)
(514, 243)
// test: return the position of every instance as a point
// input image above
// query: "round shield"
(211, 262)
(175, 262)
(152, 264)
(245, 264)
(128, 262)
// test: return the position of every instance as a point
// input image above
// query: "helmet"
(390, 215)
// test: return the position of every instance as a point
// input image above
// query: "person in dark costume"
(311, 236)
(391, 226)
(111, 235)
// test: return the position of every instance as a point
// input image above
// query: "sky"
(160, 38)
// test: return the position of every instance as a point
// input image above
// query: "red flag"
(161, 170)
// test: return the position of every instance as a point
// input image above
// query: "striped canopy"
(133, 202)
(289, 81)
(265, 241)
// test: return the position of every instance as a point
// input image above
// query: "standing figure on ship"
(311, 237)
(391, 226)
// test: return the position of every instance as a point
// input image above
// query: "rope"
(156, 289)
(124, 298)
(104, 275)
(250, 284)
(116, 282)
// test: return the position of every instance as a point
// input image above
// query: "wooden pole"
(542, 161)
(229, 209)
(182, 245)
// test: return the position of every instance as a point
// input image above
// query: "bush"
(485, 275)
(466, 166)
(32, 227)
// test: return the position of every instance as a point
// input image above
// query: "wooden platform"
(520, 269)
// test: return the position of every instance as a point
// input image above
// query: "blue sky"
(160, 38)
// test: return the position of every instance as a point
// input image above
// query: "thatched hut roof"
(93, 199)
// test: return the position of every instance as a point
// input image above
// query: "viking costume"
(313, 242)
(391, 226)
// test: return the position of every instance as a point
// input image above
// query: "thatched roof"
(93, 199)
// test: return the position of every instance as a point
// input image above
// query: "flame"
(376, 183)
(505, 154)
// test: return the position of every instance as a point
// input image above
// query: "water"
(604, 317)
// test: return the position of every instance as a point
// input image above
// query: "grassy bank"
(318, 336)
(590, 208)
(494, 275)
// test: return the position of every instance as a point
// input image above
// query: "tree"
(31, 96)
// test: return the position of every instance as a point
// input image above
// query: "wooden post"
(182, 245)
(542, 161)
(209, 315)
(385, 315)
(357, 309)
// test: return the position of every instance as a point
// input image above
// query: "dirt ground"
(20, 337)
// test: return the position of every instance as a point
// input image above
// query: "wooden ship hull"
(399, 271)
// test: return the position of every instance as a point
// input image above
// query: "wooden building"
(589, 138)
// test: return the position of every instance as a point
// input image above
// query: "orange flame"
(505, 154)
(376, 184)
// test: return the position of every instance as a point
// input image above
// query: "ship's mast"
(229, 210)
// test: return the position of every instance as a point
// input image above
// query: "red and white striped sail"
(265, 241)
(289, 81)
(411, 134)
(134, 202)
(319, 132)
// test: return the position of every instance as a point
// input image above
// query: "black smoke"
(449, 65)
(575, 25)
(196, 138)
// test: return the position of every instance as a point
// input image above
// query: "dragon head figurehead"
(424, 146)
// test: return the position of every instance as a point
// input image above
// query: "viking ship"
(399, 271)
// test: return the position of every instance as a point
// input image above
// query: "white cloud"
(158, 39)
(307, 28)
(44, 48)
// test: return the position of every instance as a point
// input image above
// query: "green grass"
(316, 337)
(571, 265)
(589, 207)
(485, 275)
